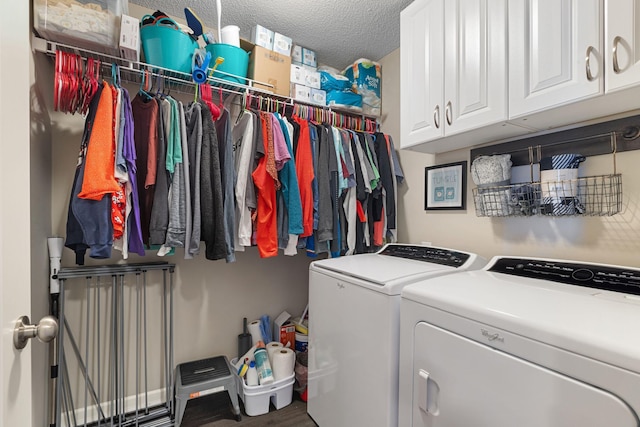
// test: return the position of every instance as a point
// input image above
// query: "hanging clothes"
(244, 137)
(211, 201)
(265, 179)
(100, 156)
(177, 197)
(135, 243)
(305, 173)
(75, 237)
(186, 169)
(174, 177)
(159, 218)
(193, 120)
(145, 115)
(227, 175)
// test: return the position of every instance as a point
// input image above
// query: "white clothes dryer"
(523, 342)
(354, 325)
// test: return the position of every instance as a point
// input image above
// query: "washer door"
(458, 382)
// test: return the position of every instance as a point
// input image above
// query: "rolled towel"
(559, 186)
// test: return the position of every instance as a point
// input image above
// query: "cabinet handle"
(448, 113)
(616, 41)
(588, 63)
(436, 116)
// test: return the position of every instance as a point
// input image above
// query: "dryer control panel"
(593, 276)
(426, 253)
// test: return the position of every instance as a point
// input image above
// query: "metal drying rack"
(101, 374)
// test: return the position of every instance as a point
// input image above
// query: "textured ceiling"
(340, 31)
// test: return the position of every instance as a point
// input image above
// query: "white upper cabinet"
(475, 64)
(421, 71)
(453, 72)
(555, 53)
(622, 44)
(572, 60)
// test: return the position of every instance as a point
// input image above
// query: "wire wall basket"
(587, 196)
(599, 195)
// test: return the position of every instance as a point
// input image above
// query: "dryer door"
(458, 382)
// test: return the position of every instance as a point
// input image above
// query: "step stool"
(201, 378)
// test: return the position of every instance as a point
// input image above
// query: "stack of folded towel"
(492, 175)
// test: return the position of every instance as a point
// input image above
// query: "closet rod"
(111, 270)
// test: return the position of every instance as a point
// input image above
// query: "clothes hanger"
(143, 85)
(166, 86)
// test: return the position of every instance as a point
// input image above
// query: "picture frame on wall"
(445, 186)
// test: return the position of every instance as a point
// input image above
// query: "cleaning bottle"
(265, 375)
(252, 374)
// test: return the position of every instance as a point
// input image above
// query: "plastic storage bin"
(256, 399)
(236, 62)
(166, 46)
(89, 24)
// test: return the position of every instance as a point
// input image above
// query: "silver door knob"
(46, 330)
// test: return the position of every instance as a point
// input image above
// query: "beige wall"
(614, 239)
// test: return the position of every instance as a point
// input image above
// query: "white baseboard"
(154, 398)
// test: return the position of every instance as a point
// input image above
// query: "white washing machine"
(354, 324)
(523, 342)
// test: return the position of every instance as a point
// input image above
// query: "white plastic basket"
(256, 398)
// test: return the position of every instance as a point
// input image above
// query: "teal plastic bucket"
(236, 62)
(166, 46)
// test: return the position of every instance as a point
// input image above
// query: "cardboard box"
(261, 36)
(301, 93)
(318, 96)
(296, 54)
(298, 74)
(287, 335)
(282, 44)
(283, 330)
(272, 68)
(130, 38)
(309, 57)
(312, 79)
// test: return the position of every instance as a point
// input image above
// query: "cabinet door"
(475, 64)
(422, 72)
(549, 43)
(622, 44)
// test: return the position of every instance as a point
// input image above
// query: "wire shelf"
(587, 196)
(133, 72)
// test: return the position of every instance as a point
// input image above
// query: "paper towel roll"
(283, 364)
(272, 347)
(256, 333)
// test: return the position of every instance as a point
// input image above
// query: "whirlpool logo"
(492, 337)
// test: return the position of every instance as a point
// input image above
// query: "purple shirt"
(129, 154)
(279, 144)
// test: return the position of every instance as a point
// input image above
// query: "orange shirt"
(98, 174)
(266, 219)
(305, 173)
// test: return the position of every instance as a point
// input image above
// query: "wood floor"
(215, 411)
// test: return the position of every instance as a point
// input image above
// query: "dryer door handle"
(428, 391)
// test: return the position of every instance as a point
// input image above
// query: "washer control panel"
(593, 276)
(426, 253)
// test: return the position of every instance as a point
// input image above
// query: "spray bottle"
(265, 375)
